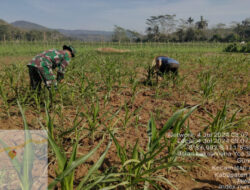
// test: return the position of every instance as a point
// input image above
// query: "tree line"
(166, 28)
(10, 33)
(161, 28)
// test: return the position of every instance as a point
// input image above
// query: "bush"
(244, 48)
(231, 48)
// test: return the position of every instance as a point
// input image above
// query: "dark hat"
(71, 49)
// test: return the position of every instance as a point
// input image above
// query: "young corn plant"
(50, 96)
(49, 121)
(4, 97)
(59, 111)
(92, 116)
(15, 82)
(15, 79)
(171, 79)
(135, 91)
(150, 75)
(66, 166)
(128, 115)
(24, 96)
(82, 82)
(37, 98)
(143, 167)
(207, 84)
(222, 123)
(155, 146)
(76, 123)
(90, 90)
(23, 168)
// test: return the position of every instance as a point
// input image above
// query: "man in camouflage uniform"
(41, 67)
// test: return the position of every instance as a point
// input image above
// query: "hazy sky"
(130, 14)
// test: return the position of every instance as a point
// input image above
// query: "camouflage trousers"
(36, 79)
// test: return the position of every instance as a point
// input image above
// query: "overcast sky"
(130, 14)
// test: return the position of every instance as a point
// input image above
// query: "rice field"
(112, 126)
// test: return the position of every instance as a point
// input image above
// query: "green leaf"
(70, 179)
(91, 185)
(152, 133)
(60, 155)
(120, 150)
(188, 114)
(28, 157)
(115, 186)
(166, 127)
(163, 180)
(135, 152)
(130, 161)
(95, 166)
(74, 164)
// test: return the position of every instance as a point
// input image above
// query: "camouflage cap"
(71, 49)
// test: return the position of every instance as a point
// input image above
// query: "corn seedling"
(150, 75)
(140, 166)
(4, 96)
(24, 168)
(76, 123)
(92, 116)
(222, 123)
(37, 98)
(207, 84)
(128, 115)
(66, 167)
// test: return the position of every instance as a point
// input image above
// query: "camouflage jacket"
(49, 60)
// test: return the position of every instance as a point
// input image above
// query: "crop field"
(111, 125)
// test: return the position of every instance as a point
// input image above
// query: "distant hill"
(2, 22)
(28, 25)
(84, 35)
(11, 32)
(7, 31)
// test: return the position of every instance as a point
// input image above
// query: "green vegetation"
(167, 28)
(108, 128)
(160, 28)
(243, 48)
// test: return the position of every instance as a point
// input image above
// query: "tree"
(4, 32)
(183, 24)
(245, 29)
(161, 25)
(220, 26)
(180, 33)
(190, 21)
(134, 36)
(216, 38)
(202, 24)
(167, 23)
(153, 28)
(153, 33)
(231, 38)
(119, 35)
(190, 35)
